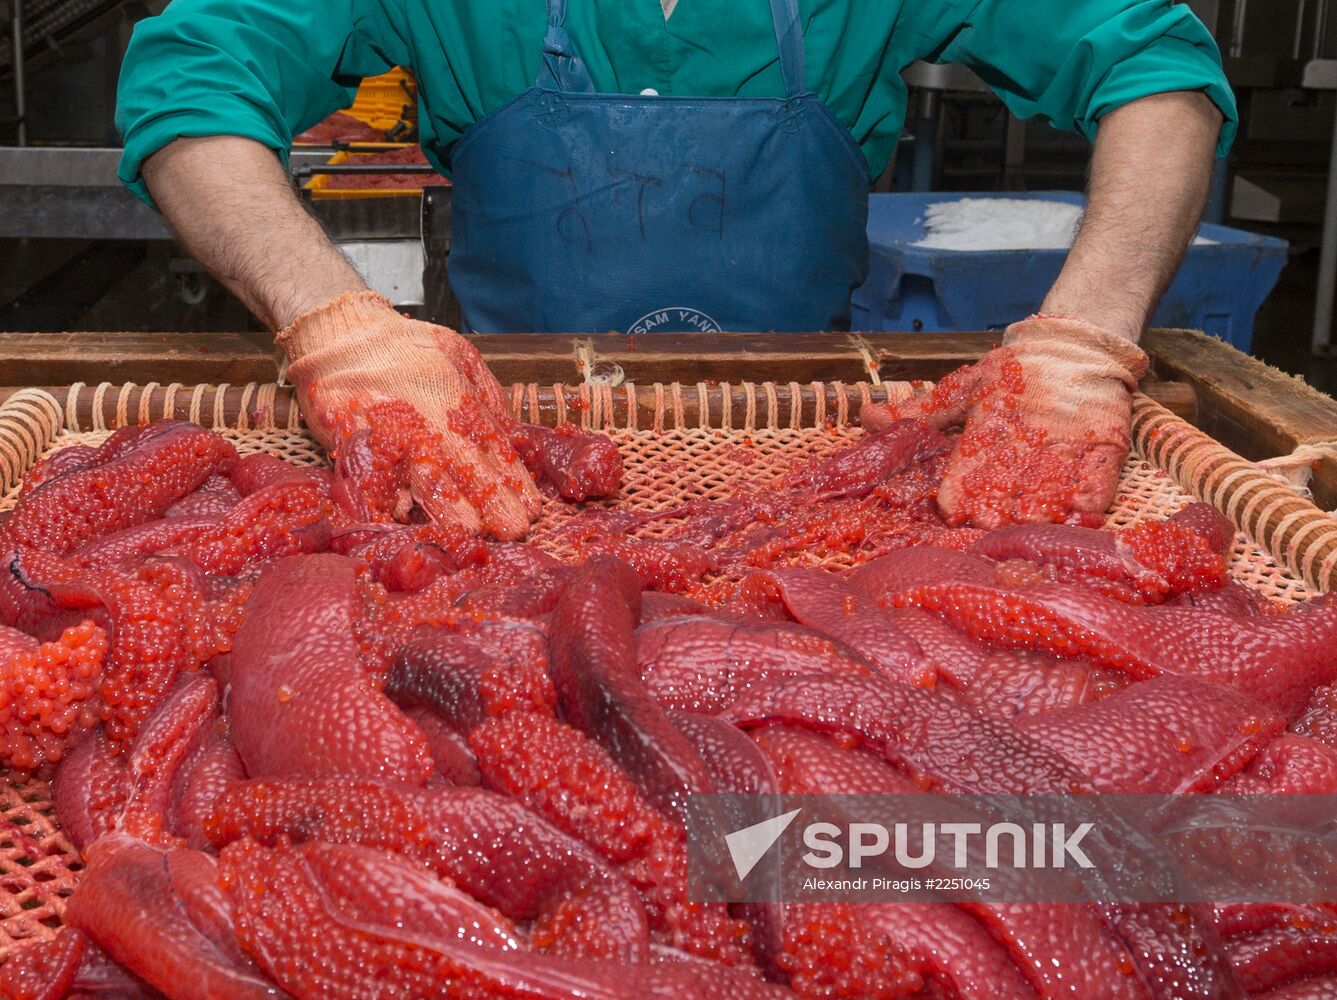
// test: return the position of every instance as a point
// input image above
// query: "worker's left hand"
(1046, 418)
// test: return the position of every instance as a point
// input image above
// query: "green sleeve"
(262, 69)
(1071, 62)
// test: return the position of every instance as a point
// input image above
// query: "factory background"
(77, 253)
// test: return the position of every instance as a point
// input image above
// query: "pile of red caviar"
(389, 450)
(161, 624)
(388, 619)
(1179, 556)
(381, 439)
(48, 691)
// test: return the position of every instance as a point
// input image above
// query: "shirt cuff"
(1171, 64)
(147, 137)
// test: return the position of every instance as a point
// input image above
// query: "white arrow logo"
(750, 844)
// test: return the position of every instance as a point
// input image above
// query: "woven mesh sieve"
(669, 460)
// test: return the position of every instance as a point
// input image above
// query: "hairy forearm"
(1150, 175)
(229, 202)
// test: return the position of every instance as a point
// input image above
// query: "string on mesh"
(1297, 468)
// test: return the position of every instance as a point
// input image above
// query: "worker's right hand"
(1046, 425)
(410, 414)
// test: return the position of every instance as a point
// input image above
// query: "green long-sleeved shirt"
(267, 69)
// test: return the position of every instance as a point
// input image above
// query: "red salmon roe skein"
(48, 692)
(573, 463)
(496, 682)
(261, 530)
(833, 950)
(570, 780)
(148, 473)
(41, 970)
(57, 464)
(1011, 621)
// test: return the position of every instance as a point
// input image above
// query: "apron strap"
(789, 35)
(562, 69)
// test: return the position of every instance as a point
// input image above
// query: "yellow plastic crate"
(321, 191)
(385, 100)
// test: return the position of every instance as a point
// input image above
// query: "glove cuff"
(326, 324)
(1077, 335)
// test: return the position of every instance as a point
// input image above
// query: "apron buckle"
(551, 110)
(792, 113)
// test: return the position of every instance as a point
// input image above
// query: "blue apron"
(581, 212)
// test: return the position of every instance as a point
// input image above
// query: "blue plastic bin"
(1218, 289)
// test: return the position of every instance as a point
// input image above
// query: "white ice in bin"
(1002, 224)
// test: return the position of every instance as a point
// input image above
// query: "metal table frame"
(73, 193)
(1321, 74)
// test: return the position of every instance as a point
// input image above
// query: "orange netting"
(753, 440)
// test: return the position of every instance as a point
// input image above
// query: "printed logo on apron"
(675, 318)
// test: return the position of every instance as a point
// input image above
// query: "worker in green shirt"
(672, 164)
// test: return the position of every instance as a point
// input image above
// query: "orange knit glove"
(410, 415)
(1047, 421)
